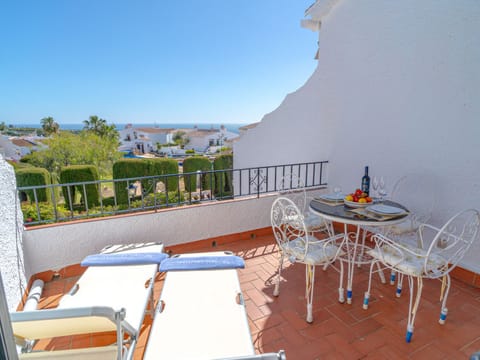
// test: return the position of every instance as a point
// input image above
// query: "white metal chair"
(293, 187)
(417, 193)
(297, 245)
(446, 247)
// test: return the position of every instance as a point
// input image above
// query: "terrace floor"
(339, 331)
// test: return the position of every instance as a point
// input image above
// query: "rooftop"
(339, 331)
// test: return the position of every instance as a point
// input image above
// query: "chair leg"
(392, 277)
(381, 274)
(364, 237)
(341, 290)
(398, 292)
(366, 298)
(309, 284)
(276, 289)
(413, 306)
(443, 298)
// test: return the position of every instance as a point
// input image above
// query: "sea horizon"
(233, 127)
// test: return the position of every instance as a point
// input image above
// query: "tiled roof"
(154, 130)
(22, 142)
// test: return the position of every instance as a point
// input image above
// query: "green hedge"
(224, 179)
(80, 173)
(136, 168)
(194, 164)
(46, 210)
(34, 177)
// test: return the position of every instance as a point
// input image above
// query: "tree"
(99, 126)
(179, 138)
(3, 126)
(50, 126)
(86, 148)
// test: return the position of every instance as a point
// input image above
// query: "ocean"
(230, 127)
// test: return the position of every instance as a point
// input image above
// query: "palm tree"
(100, 127)
(49, 125)
(94, 124)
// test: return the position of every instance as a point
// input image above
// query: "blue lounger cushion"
(202, 263)
(124, 259)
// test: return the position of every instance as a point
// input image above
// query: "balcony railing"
(91, 199)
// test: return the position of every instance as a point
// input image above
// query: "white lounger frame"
(201, 315)
(105, 298)
(52, 323)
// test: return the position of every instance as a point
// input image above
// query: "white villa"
(14, 148)
(201, 140)
(145, 139)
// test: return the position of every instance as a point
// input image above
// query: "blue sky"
(145, 61)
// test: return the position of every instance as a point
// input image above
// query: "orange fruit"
(349, 198)
(362, 200)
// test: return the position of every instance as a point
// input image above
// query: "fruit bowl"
(354, 204)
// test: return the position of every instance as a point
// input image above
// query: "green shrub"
(165, 167)
(223, 179)
(75, 174)
(137, 168)
(158, 200)
(47, 212)
(194, 164)
(32, 176)
(190, 151)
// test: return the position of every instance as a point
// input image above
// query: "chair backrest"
(417, 193)
(453, 241)
(289, 228)
(292, 186)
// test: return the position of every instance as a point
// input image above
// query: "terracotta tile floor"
(339, 331)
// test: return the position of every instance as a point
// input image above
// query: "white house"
(396, 88)
(14, 148)
(144, 139)
(201, 139)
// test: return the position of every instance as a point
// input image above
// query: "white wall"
(396, 88)
(52, 248)
(11, 264)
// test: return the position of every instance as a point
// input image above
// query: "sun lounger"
(113, 295)
(201, 312)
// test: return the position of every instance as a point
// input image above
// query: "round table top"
(344, 214)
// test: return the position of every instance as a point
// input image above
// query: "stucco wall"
(11, 264)
(51, 248)
(396, 88)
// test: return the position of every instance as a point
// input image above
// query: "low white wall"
(54, 247)
(396, 88)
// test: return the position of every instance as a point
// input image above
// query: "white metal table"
(355, 253)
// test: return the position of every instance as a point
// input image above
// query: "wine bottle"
(366, 182)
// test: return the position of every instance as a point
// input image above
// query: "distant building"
(245, 128)
(14, 148)
(201, 139)
(144, 139)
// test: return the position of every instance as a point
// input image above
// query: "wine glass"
(375, 185)
(382, 189)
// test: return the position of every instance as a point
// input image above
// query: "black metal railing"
(66, 202)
